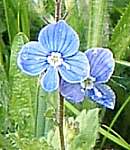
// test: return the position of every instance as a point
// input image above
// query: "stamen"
(89, 83)
(55, 59)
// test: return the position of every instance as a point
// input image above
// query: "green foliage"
(21, 104)
(80, 133)
(41, 110)
(34, 144)
(120, 39)
(23, 15)
(4, 99)
(117, 138)
(97, 12)
(18, 11)
(88, 127)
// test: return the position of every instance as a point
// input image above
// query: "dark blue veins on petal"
(59, 37)
(79, 64)
(75, 68)
(70, 75)
(32, 58)
(50, 80)
(70, 41)
(101, 63)
(102, 94)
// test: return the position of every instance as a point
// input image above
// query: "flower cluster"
(55, 57)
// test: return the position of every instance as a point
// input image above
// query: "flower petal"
(59, 37)
(50, 80)
(32, 59)
(101, 64)
(102, 94)
(72, 92)
(75, 68)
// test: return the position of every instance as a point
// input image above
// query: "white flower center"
(89, 83)
(55, 59)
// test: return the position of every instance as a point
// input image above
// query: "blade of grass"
(113, 138)
(72, 108)
(122, 62)
(97, 13)
(116, 117)
(115, 133)
(7, 20)
(24, 16)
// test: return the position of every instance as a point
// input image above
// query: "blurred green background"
(99, 23)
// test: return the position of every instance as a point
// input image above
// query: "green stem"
(18, 17)
(1, 57)
(115, 118)
(7, 21)
(36, 109)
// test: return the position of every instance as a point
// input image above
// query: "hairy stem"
(61, 122)
(58, 10)
(58, 4)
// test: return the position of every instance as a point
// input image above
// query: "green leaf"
(11, 19)
(34, 144)
(88, 128)
(120, 39)
(4, 100)
(24, 17)
(5, 143)
(21, 96)
(41, 107)
(53, 138)
(97, 12)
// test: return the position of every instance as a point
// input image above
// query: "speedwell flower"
(101, 68)
(55, 53)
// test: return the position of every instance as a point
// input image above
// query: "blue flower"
(101, 68)
(55, 53)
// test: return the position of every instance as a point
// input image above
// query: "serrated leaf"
(88, 128)
(120, 38)
(21, 104)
